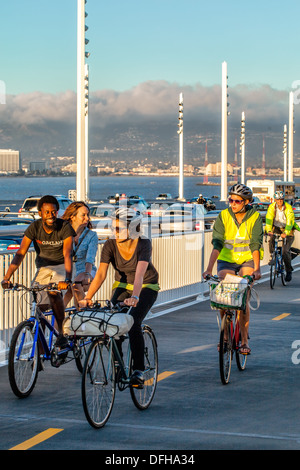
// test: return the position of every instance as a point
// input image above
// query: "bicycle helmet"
(278, 195)
(241, 190)
(127, 215)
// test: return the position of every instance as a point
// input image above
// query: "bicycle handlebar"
(51, 286)
(217, 279)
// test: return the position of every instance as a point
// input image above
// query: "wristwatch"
(68, 281)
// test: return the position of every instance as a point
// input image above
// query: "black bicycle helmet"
(241, 190)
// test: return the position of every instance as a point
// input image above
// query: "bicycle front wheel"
(142, 397)
(23, 360)
(273, 272)
(283, 273)
(225, 350)
(98, 384)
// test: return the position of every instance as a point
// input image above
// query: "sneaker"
(271, 262)
(137, 379)
(288, 277)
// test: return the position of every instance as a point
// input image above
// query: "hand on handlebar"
(6, 284)
(84, 303)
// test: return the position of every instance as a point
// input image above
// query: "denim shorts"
(234, 266)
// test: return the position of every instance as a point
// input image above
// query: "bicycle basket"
(96, 322)
(229, 293)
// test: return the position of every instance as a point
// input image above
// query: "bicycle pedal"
(140, 386)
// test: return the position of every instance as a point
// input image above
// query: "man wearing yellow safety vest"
(280, 219)
(237, 242)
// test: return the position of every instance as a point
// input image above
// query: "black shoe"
(271, 262)
(288, 277)
(137, 379)
(61, 342)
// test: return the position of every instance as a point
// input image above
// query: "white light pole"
(285, 172)
(242, 147)
(224, 134)
(180, 133)
(87, 179)
(291, 137)
(81, 193)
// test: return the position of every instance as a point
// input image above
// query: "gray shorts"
(233, 266)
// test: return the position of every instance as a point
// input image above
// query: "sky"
(136, 41)
(143, 54)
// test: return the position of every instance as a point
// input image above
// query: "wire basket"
(227, 295)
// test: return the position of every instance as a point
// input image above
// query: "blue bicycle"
(33, 342)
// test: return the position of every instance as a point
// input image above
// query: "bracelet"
(135, 297)
(68, 280)
(87, 273)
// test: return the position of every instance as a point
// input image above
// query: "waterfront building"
(10, 160)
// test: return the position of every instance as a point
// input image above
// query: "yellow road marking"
(43, 436)
(161, 376)
(280, 317)
(164, 375)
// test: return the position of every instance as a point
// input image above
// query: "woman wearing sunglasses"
(136, 279)
(237, 245)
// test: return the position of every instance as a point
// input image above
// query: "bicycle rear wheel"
(80, 350)
(23, 360)
(98, 384)
(142, 397)
(225, 350)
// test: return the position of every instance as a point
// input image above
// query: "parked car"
(164, 196)
(9, 243)
(182, 218)
(208, 203)
(30, 204)
(101, 210)
(4, 221)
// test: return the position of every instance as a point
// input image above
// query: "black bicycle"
(108, 365)
(277, 267)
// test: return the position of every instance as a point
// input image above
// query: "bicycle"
(277, 267)
(230, 335)
(105, 368)
(32, 343)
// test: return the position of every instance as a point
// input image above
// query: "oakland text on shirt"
(52, 243)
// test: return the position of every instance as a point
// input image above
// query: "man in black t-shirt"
(53, 242)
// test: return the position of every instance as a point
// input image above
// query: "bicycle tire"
(142, 397)
(98, 384)
(273, 272)
(241, 359)
(225, 350)
(22, 369)
(282, 271)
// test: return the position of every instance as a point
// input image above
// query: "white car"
(183, 218)
(29, 207)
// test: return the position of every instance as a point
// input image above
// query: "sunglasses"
(235, 201)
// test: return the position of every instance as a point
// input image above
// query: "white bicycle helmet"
(241, 190)
(278, 195)
(127, 215)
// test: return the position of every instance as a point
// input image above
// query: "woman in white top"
(85, 246)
